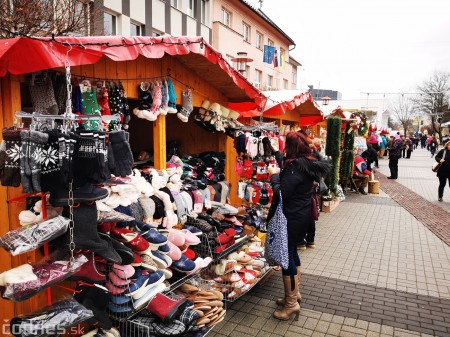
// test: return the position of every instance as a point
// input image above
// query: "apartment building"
(231, 26)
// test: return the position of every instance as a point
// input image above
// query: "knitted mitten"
(123, 156)
(102, 172)
(85, 162)
(187, 108)
(157, 99)
(12, 145)
(172, 97)
(51, 170)
(143, 111)
(30, 165)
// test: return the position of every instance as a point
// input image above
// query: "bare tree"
(404, 112)
(48, 17)
(434, 100)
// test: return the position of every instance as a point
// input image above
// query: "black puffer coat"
(296, 184)
(444, 170)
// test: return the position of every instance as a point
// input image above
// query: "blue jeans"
(294, 261)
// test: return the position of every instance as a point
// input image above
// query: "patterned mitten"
(30, 166)
(85, 161)
(102, 173)
(172, 97)
(50, 169)
(164, 108)
(13, 145)
(157, 99)
(43, 97)
(187, 108)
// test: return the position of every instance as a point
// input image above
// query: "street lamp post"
(242, 61)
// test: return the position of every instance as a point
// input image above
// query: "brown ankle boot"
(280, 301)
(291, 305)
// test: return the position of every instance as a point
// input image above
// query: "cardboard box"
(329, 205)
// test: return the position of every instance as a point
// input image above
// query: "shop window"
(259, 40)
(109, 24)
(226, 17)
(246, 32)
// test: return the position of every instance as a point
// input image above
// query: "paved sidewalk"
(381, 267)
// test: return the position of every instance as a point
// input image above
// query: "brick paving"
(381, 267)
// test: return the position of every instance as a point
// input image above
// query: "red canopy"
(279, 102)
(25, 55)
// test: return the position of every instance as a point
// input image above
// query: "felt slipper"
(176, 237)
(131, 239)
(124, 272)
(174, 252)
(190, 239)
(116, 280)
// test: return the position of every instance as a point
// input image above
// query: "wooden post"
(159, 142)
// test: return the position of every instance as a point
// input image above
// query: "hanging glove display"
(123, 157)
(187, 108)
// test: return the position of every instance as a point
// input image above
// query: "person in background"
(443, 173)
(395, 153)
(429, 139)
(403, 146)
(383, 145)
(390, 142)
(423, 141)
(433, 146)
(369, 155)
(361, 174)
(373, 140)
(409, 147)
(295, 182)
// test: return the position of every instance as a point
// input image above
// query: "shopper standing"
(409, 147)
(443, 173)
(395, 153)
(300, 169)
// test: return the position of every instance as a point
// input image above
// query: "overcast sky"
(374, 46)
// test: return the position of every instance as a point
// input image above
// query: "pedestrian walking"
(443, 172)
(433, 146)
(300, 169)
(395, 153)
(409, 147)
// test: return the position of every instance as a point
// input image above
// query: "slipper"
(116, 280)
(184, 264)
(174, 252)
(148, 263)
(124, 272)
(224, 267)
(176, 237)
(226, 236)
(167, 273)
(115, 290)
(190, 254)
(131, 239)
(190, 239)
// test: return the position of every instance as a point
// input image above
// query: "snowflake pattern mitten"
(187, 108)
(12, 145)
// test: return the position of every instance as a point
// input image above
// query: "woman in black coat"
(300, 169)
(443, 173)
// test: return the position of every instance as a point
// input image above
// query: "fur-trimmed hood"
(314, 168)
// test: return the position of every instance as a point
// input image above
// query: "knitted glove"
(187, 106)
(122, 153)
(157, 98)
(2, 157)
(85, 161)
(31, 159)
(172, 97)
(110, 161)
(13, 145)
(102, 172)
(164, 108)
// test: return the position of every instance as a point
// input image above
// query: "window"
(174, 3)
(294, 76)
(135, 29)
(191, 8)
(270, 43)
(269, 83)
(226, 17)
(109, 24)
(156, 33)
(282, 58)
(259, 40)
(246, 32)
(285, 84)
(258, 77)
(204, 11)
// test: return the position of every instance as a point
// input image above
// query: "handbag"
(276, 247)
(438, 165)
(323, 188)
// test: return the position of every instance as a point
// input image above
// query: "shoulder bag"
(276, 248)
(438, 165)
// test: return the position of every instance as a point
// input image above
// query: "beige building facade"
(231, 26)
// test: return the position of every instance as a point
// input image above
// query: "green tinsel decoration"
(347, 155)
(332, 150)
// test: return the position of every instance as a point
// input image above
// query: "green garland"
(362, 130)
(333, 143)
(347, 156)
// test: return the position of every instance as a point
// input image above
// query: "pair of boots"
(291, 299)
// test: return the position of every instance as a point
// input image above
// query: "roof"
(30, 54)
(281, 101)
(267, 19)
(376, 105)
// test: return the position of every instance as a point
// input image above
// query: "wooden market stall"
(189, 62)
